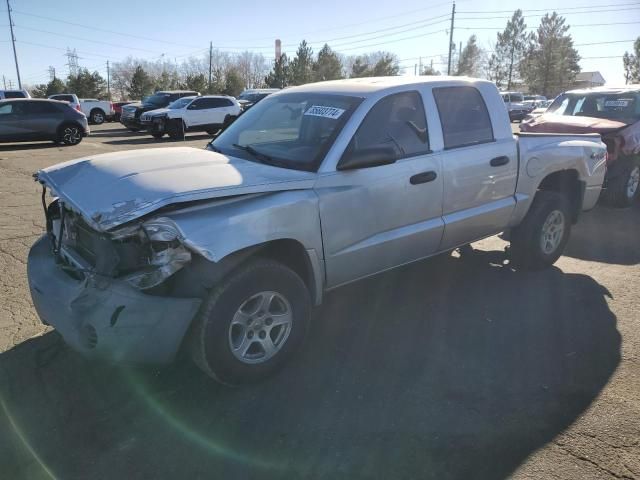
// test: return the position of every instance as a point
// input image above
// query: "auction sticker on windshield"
(616, 103)
(326, 112)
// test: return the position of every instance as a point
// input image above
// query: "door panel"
(375, 219)
(478, 198)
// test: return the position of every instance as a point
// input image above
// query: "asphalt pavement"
(451, 368)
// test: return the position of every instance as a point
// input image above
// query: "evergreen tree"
(550, 64)
(141, 84)
(234, 85)
(301, 70)
(279, 75)
(510, 48)
(631, 63)
(470, 60)
(86, 84)
(328, 66)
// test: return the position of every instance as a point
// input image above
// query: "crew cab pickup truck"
(209, 113)
(224, 251)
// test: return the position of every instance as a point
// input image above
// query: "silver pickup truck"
(225, 250)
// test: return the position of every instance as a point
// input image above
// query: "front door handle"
(424, 177)
(499, 161)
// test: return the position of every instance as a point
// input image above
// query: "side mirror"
(368, 157)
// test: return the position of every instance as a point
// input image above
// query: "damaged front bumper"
(106, 317)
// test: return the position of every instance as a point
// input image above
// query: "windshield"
(622, 106)
(180, 103)
(290, 130)
(159, 100)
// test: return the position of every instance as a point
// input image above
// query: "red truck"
(614, 113)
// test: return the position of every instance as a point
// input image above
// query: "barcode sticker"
(326, 112)
(616, 103)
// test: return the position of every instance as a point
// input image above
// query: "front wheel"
(540, 239)
(157, 136)
(176, 129)
(251, 323)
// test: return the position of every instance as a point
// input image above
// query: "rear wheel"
(69, 134)
(540, 239)
(97, 116)
(251, 323)
(623, 189)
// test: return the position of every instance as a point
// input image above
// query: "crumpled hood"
(113, 188)
(551, 123)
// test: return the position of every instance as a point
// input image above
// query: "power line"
(572, 26)
(560, 13)
(546, 9)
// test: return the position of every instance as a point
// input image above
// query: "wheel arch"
(566, 182)
(202, 274)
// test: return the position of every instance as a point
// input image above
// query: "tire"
(550, 212)
(176, 129)
(97, 116)
(623, 189)
(213, 131)
(216, 330)
(157, 136)
(69, 134)
(133, 129)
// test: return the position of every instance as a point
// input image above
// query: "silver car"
(31, 120)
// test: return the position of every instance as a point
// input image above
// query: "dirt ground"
(452, 368)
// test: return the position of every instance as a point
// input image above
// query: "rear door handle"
(499, 161)
(424, 177)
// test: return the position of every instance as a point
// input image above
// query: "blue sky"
(410, 29)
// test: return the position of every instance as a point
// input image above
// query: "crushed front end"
(106, 292)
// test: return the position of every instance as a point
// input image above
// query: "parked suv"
(225, 250)
(250, 97)
(514, 101)
(30, 120)
(130, 116)
(192, 114)
(614, 113)
(6, 94)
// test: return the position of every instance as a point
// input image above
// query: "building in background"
(588, 80)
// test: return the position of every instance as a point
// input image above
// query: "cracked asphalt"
(454, 368)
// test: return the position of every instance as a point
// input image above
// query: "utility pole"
(108, 81)
(210, 63)
(13, 42)
(453, 16)
(4, 80)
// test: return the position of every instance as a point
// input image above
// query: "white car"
(97, 111)
(208, 113)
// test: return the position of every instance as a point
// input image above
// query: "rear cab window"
(14, 95)
(464, 116)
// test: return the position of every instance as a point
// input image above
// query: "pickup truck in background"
(97, 111)
(209, 113)
(614, 113)
(514, 101)
(225, 251)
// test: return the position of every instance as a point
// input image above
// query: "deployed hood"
(551, 123)
(113, 188)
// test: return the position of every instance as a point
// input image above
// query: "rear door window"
(6, 109)
(464, 116)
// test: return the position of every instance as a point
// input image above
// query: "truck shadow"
(454, 368)
(620, 245)
(13, 147)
